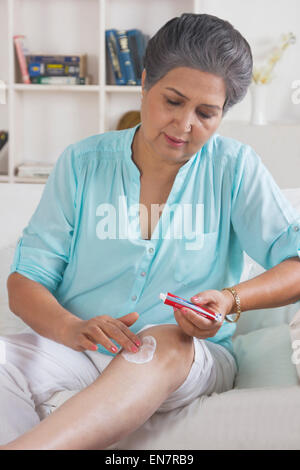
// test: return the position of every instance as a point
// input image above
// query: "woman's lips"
(174, 142)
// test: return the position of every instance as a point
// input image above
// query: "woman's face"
(181, 111)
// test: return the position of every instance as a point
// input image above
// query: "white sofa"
(263, 409)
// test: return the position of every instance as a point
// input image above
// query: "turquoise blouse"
(83, 242)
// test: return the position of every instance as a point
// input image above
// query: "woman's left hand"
(196, 325)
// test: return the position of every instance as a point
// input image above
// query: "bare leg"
(119, 401)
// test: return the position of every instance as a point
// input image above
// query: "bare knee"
(174, 350)
(169, 335)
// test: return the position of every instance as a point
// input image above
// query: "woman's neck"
(150, 163)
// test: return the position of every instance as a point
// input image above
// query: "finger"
(129, 319)
(202, 297)
(191, 329)
(197, 319)
(209, 298)
(202, 328)
(184, 324)
(85, 343)
(120, 333)
(126, 331)
(104, 328)
(95, 336)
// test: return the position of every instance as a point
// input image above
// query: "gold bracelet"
(237, 304)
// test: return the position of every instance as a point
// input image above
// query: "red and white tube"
(179, 302)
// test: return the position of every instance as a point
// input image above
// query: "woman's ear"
(143, 81)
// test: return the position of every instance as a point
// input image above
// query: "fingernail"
(94, 347)
(134, 349)
(114, 349)
(138, 343)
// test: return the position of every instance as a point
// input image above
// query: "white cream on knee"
(145, 352)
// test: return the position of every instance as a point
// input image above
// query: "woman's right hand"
(85, 334)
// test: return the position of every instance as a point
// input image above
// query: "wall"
(262, 22)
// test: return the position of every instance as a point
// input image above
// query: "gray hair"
(202, 42)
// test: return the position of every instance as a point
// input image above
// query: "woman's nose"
(184, 122)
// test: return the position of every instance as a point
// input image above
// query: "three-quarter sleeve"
(266, 224)
(42, 252)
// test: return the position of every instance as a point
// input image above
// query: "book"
(57, 65)
(61, 80)
(20, 52)
(125, 58)
(34, 169)
(137, 42)
(125, 53)
(113, 49)
(58, 58)
(38, 69)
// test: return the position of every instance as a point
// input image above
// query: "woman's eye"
(203, 115)
(200, 113)
(173, 103)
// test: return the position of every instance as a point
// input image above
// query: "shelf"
(43, 119)
(24, 179)
(77, 88)
(54, 88)
(122, 89)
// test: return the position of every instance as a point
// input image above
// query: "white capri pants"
(33, 368)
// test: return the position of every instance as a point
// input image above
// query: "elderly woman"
(166, 206)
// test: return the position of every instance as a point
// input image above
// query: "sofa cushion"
(21, 201)
(295, 340)
(265, 358)
(258, 418)
(264, 318)
(9, 323)
(249, 419)
(256, 319)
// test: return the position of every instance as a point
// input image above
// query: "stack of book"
(32, 169)
(51, 69)
(3, 152)
(125, 52)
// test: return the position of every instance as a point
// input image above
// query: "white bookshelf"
(42, 120)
